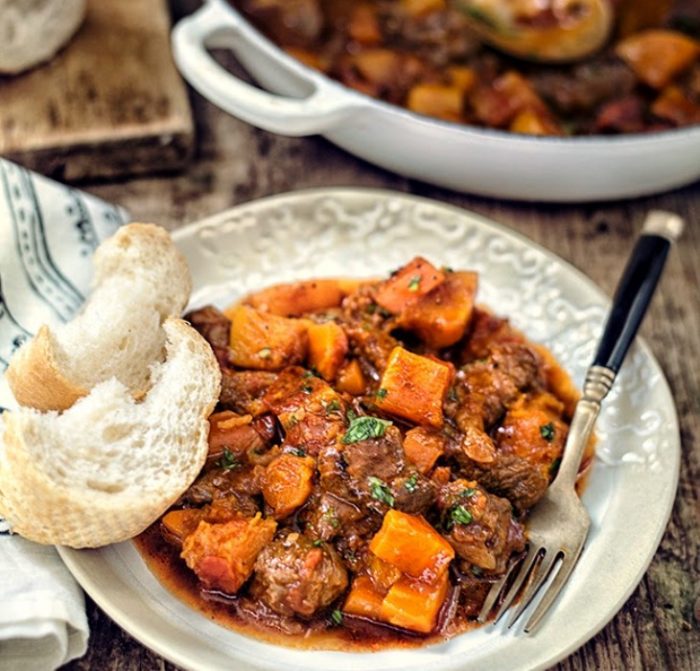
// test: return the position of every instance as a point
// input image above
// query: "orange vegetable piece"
(265, 341)
(410, 544)
(223, 555)
(675, 106)
(351, 379)
(658, 56)
(291, 300)
(287, 483)
(363, 599)
(534, 122)
(408, 284)
(179, 524)
(363, 26)
(438, 100)
(423, 447)
(414, 605)
(509, 94)
(441, 316)
(328, 346)
(462, 77)
(415, 387)
(382, 574)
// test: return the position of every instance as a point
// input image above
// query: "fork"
(559, 524)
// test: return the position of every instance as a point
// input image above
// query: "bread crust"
(36, 379)
(35, 374)
(48, 506)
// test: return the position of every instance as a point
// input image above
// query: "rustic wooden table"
(659, 627)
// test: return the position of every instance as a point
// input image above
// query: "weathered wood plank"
(111, 103)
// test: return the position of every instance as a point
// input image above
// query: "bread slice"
(106, 468)
(140, 279)
(34, 30)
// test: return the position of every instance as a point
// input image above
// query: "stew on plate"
(372, 460)
(426, 56)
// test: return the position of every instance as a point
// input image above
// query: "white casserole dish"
(302, 101)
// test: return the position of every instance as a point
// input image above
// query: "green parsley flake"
(228, 461)
(307, 388)
(265, 353)
(412, 483)
(414, 283)
(333, 406)
(364, 428)
(460, 515)
(381, 393)
(298, 452)
(547, 432)
(380, 491)
(466, 493)
(317, 543)
(337, 617)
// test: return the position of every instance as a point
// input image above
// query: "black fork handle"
(636, 287)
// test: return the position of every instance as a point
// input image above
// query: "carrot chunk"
(414, 387)
(223, 555)
(441, 316)
(328, 346)
(291, 300)
(438, 100)
(265, 341)
(423, 447)
(363, 599)
(410, 544)
(408, 284)
(658, 56)
(178, 524)
(414, 605)
(287, 483)
(351, 379)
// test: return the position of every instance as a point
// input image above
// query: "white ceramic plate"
(363, 232)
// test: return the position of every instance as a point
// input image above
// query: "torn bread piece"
(106, 468)
(140, 279)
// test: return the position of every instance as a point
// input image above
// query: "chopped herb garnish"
(228, 460)
(333, 406)
(317, 543)
(381, 393)
(547, 432)
(307, 388)
(380, 491)
(412, 483)
(466, 493)
(476, 570)
(265, 353)
(298, 452)
(364, 428)
(352, 416)
(452, 395)
(459, 515)
(307, 374)
(337, 617)
(293, 421)
(414, 283)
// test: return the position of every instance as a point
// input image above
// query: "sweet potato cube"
(351, 379)
(414, 387)
(223, 555)
(438, 100)
(363, 599)
(414, 605)
(328, 346)
(291, 300)
(658, 56)
(534, 122)
(265, 341)
(441, 316)
(423, 447)
(287, 483)
(410, 544)
(178, 524)
(408, 284)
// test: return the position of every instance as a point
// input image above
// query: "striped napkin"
(48, 233)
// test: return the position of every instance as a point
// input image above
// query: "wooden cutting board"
(110, 104)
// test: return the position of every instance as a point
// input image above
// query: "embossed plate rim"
(116, 578)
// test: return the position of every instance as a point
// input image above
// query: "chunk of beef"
(479, 526)
(294, 575)
(215, 327)
(240, 484)
(413, 493)
(287, 22)
(371, 345)
(242, 391)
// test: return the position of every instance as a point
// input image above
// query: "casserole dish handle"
(216, 26)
